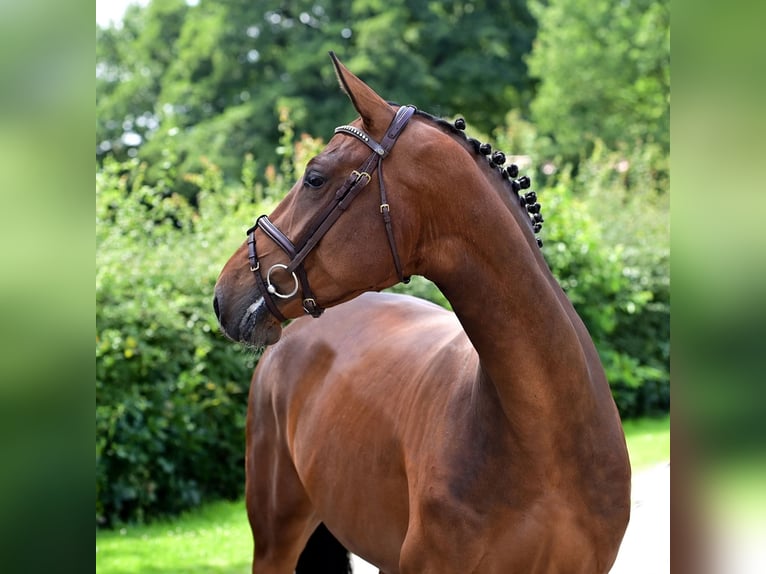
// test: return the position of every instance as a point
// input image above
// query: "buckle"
(311, 308)
(360, 174)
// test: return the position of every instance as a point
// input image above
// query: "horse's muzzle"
(251, 324)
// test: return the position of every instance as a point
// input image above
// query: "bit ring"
(273, 290)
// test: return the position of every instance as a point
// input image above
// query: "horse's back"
(378, 333)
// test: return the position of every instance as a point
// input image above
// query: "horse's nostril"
(216, 308)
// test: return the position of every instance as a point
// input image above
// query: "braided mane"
(495, 160)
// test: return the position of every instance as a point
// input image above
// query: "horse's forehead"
(341, 147)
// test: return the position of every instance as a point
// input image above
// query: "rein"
(322, 222)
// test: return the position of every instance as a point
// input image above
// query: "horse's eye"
(314, 180)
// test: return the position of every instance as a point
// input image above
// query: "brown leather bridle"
(323, 221)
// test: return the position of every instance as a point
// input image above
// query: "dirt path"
(646, 546)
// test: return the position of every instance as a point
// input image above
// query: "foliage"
(130, 61)
(604, 70)
(170, 391)
(422, 288)
(210, 79)
(607, 242)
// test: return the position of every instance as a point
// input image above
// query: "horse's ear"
(375, 112)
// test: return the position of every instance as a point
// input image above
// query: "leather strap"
(382, 149)
(255, 265)
(265, 224)
(385, 211)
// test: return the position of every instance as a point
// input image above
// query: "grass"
(216, 537)
(648, 441)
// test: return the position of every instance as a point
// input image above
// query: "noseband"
(356, 181)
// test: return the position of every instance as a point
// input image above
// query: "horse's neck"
(533, 348)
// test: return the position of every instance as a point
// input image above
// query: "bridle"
(323, 221)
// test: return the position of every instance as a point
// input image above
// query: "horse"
(483, 439)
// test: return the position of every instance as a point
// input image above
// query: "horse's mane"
(495, 160)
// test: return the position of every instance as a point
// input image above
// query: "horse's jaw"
(258, 327)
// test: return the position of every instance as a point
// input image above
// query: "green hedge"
(170, 391)
(607, 241)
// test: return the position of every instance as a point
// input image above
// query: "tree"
(604, 70)
(447, 57)
(210, 79)
(130, 64)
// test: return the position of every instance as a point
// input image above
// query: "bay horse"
(484, 440)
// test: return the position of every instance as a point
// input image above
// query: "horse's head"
(385, 199)
(334, 235)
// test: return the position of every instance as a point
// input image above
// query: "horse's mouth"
(258, 328)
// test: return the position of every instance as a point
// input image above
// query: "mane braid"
(495, 160)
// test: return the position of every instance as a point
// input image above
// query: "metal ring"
(273, 290)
